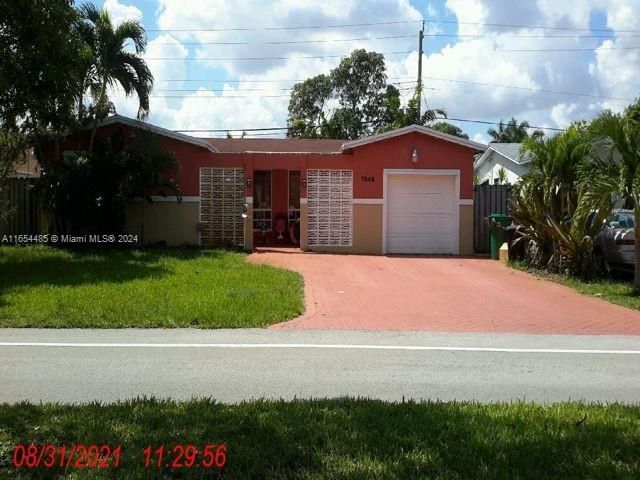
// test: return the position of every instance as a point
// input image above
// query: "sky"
(221, 64)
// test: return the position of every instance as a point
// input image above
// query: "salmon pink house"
(405, 191)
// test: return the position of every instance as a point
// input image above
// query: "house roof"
(158, 130)
(289, 145)
(511, 151)
(418, 129)
(274, 145)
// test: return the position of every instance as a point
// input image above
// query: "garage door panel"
(421, 215)
(421, 224)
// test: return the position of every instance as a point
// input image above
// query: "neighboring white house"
(501, 155)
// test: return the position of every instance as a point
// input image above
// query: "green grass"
(615, 290)
(46, 287)
(342, 439)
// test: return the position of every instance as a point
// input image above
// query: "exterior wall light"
(414, 156)
(248, 182)
(304, 183)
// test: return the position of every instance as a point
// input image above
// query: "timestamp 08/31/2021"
(79, 456)
(54, 239)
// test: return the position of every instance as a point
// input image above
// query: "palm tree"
(547, 203)
(502, 176)
(615, 169)
(513, 132)
(112, 64)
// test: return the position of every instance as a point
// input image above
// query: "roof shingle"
(275, 145)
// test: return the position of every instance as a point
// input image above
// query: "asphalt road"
(235, 365)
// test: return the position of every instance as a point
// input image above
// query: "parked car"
(615, 245)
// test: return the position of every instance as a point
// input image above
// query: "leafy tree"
(446, 127)
(357, 82)
(306, 106)
(40, 69)
(513, 132)
(353, 100)
(112, 64)
(615, 169)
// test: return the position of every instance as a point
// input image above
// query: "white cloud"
(120, 12)
(481, 138)
(431, 10)
(609, 73)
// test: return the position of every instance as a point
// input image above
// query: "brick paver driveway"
(441, 294)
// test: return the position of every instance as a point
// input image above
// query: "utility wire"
(298, 27)
(296, 42)
(394, 37)
(232, 59)
(269, 58)
(543, 27)
(267, 129)
(397, 22)
(485, 122)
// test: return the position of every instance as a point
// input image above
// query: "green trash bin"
(497, 224)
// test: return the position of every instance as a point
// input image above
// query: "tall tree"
(353, 100)
(112, 64)
(513, 132)
(40, 69)
(615, 169)
(306, 106)
(358, 81)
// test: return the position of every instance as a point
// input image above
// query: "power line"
(485, 122)
(544, 27)
(300, 57)
(255, 81)
(268, 129)
(298, 27)
(294, 42)
(231, 59)
(635, 47)
(393, 37)
(397, 22)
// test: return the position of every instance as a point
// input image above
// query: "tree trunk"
(94, 128)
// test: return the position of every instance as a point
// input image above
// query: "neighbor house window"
(262, 200)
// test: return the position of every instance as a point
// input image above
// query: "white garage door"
(421, 214)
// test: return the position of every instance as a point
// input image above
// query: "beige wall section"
(367, 228)
(466, 230)
(171, 222)
(367, 231)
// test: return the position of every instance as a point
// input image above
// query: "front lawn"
(337, 439)
(46, 287)
(615, 290)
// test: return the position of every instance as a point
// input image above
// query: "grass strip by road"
(55, 288)
(340, 439)
(615, 290)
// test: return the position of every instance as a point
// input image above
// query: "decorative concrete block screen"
(222, 198)
(330, 208)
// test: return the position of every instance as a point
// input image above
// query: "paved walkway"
(441, 294)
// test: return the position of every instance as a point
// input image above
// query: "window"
(262, 200)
